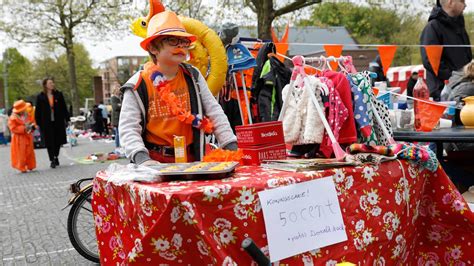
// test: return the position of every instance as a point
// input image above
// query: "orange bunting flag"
(428, 115)
(333, 50)
(434, 56)
(387, 53)
(376, 90)
(282, 44)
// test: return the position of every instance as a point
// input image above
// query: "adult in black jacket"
(445, 27)
(98, 126)
(411, 83)
(51, 116)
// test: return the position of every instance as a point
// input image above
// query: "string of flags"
(387, 53)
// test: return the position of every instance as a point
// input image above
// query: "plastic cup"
(445, 123)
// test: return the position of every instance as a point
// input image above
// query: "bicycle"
(82, 200)
(80, 222)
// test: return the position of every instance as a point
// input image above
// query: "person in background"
(445, 27)
(376, 67)
(52, 118)
(462, 85)
(411, 83)
(98, 126)
(105, 116)
(116, 101)
(456, 165)
(22, 127)
(3, 127)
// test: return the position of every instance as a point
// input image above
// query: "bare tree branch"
(295, 6)
(252, 5)
(85, 14)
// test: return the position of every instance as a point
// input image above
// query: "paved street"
(32, 225)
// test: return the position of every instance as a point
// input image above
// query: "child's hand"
(231, 146)
(28, 127)
(150, 163)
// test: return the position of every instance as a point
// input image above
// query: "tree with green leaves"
(266, 10)
(57, 66)
(189, 8)
(60, 22)
(372, 25)
(18, 75)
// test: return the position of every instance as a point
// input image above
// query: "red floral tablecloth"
(394, 213)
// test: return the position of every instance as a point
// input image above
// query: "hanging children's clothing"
(337, 115)
(268, 90)
(348, 133)
(301, 122)
(377, 136)
(361, 111)
(261, 60)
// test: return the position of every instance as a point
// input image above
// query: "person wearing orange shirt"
(169, 98)
(52, 118)
(21, 126)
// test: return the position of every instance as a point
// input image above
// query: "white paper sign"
(302, 217)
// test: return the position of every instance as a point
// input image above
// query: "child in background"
(3, 127)
(22, 127)
(169, 98)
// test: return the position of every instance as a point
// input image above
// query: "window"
(123, 62)
(135, 61)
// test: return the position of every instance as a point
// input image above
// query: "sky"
(129, 44)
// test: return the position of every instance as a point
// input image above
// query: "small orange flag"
(282, 44)
(434, 56)
(387, 53)
(427, 115)
(376, 90)
(333, 50)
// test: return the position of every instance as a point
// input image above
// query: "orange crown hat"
(19, 106)
(165, 23)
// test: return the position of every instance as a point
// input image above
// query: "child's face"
(172, 50)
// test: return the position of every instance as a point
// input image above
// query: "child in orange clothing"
(21, 126)
(169, 98)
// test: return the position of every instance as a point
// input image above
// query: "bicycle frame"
(76, 189)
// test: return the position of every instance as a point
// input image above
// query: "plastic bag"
(120, 174)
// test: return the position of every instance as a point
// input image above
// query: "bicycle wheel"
(81, 227)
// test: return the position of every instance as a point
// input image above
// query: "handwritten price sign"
(302, 217)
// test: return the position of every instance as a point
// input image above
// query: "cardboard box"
(256, 154)
(260, 134)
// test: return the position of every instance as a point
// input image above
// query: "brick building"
(116, 71)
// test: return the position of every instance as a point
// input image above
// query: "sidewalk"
(32, 225)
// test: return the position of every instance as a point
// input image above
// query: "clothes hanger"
(343, 68)
(273, 55)
(324, 62)
(349, 65)
(324, 89)
(298, 70)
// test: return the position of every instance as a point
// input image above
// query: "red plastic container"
(260, 134)
(256, 154)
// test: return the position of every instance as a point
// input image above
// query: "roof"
(329, 35)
